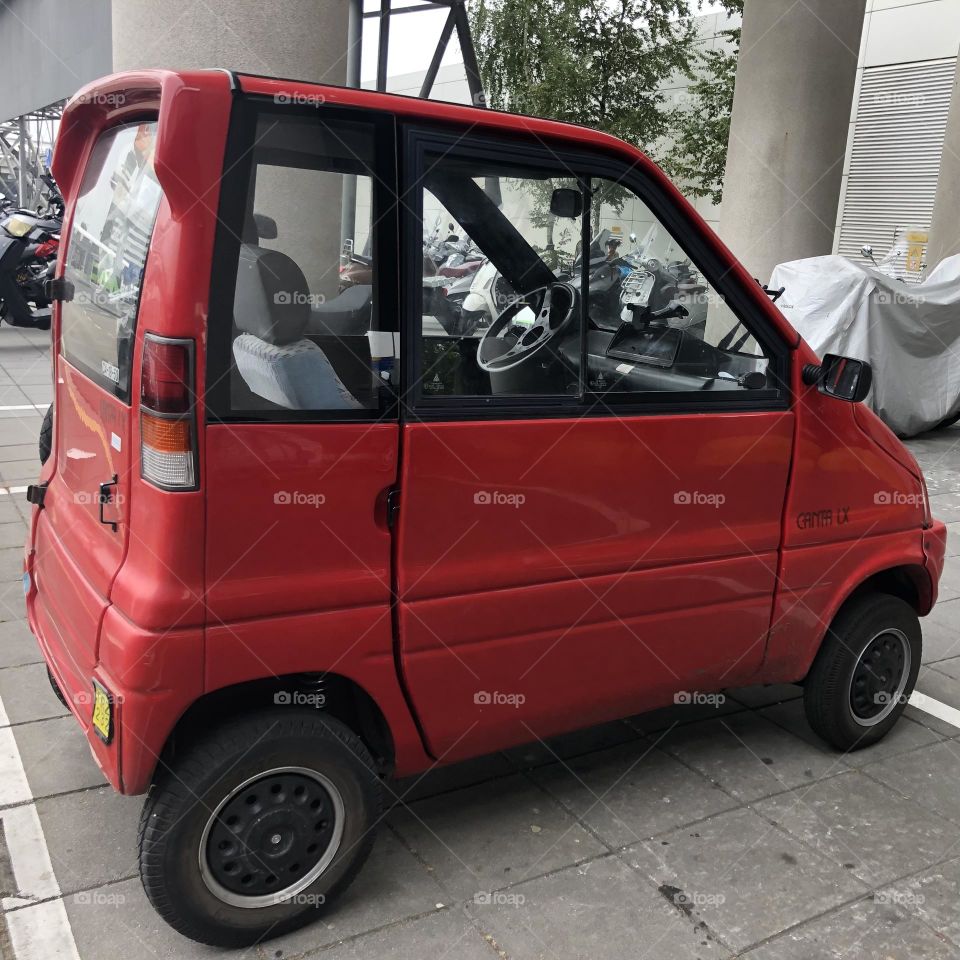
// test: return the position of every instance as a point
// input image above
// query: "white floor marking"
(38, 931)
(4, 719)
(935, 708)
(29, 857)
(22, 406)
(42, 932)
(13, 781)
(6, 491)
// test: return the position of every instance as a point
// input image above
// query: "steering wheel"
(506, 344)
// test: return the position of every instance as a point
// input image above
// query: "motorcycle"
(29, 243)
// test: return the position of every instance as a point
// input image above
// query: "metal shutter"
(895, 156)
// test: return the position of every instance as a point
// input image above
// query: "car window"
(656, 323)
(499, 314)
(111, 229)
(305, 291)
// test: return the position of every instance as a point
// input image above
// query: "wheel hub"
(272, 837)
(879, 677)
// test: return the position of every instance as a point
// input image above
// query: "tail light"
(167, 424)
(47, 249)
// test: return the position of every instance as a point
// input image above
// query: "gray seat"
(277, 362)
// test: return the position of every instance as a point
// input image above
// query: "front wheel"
(864, 672)
(259, 824)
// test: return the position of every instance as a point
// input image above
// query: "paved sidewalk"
(697, 831)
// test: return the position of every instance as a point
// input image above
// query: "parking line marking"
(5, 491)
(13, 781)
(42, 932)
(29, 857)
(37, 931)
(935, 708)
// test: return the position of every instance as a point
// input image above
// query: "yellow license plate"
(102, 713)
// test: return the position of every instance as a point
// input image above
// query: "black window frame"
(417, 139)
(239, 158)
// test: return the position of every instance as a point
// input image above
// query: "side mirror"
(842, 377)
(266, 226)
(566, 202)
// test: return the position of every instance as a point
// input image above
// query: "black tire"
(45, 443)
(180, 879)
(854, 695)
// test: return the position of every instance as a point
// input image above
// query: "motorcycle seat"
(344, 316)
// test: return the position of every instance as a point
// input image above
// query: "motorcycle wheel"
(46, 436)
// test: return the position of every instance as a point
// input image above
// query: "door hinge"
(35, 493)
(58, 289)
(393, 505)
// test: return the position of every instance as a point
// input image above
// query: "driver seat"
(277, 362)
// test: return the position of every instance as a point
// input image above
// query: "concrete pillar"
(299, 39)
(788, 131)
(945, 225)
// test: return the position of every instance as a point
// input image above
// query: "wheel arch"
(331, 693)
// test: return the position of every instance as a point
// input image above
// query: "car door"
(590, 532)
(302, 433)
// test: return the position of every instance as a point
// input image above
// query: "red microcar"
(318, 513)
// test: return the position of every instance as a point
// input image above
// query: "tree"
(601, 63)
(698, 155)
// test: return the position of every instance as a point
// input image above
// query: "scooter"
(29, 243)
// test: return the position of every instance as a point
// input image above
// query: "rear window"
(112, 224)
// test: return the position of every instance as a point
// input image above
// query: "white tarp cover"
(909, 333)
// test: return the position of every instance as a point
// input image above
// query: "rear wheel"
(46, 436)
(865, 671)
(258, 825)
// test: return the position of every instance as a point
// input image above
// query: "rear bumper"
(152, 678)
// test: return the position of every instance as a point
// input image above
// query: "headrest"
(272, 300)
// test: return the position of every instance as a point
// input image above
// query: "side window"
(500, 315)
(106, 252)
(306, 279)
(656, 323)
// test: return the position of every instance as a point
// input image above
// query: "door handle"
(104, 497)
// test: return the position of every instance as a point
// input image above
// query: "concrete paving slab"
(492, 835)
(118, 921)
(905, 736)
(393, 885)
(601, 910)
(444, 935)
(11, 564)
(20, 429)
(56, 757)
(863, 826)
(864, 929)
(953, 539)
(440, 780)
(27, 695)
(951, 667)
(91, 836)
(929, 776)
(681, 714)
(748, 879)
(13, 534)
(17, 644)
(632, 792)
(12, 606)
(749, 756)
(941, 632)
(932, 896)
(12, 470)
(571, 745)
(18, 451)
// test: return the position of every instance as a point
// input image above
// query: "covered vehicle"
(908, 332)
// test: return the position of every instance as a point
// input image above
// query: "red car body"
(173, 607)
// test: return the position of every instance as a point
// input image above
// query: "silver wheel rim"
(301, 883)
(896, 696)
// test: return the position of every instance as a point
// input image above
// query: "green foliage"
(698, 155)
(602, 63)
